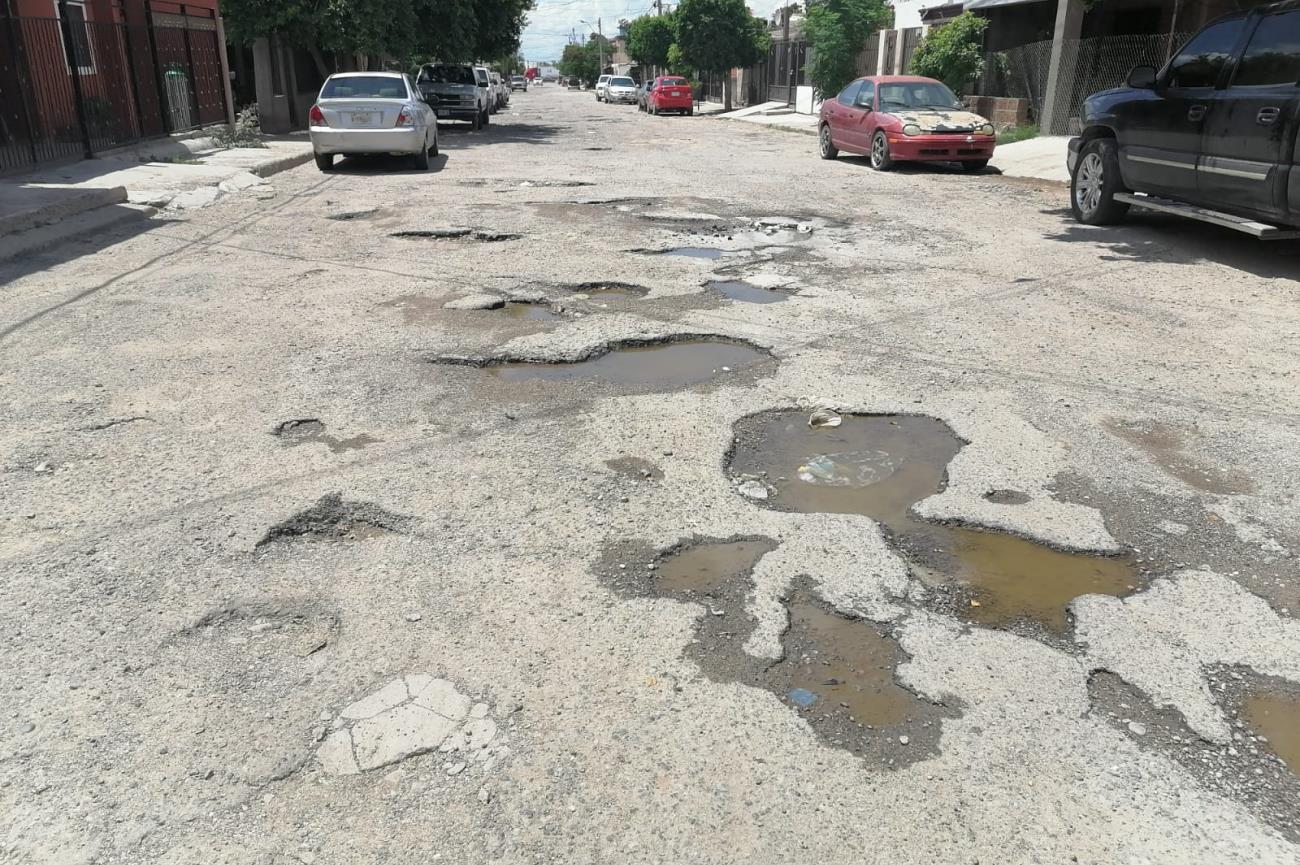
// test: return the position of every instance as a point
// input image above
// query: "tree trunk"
(319, 60)
(726, 91)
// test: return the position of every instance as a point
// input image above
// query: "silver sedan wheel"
(1088, 184)
(879, 151)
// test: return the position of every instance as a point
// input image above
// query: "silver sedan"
(371, 112)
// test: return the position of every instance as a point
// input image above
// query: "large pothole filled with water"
(879, 466)
(664, 364)
(838, 673)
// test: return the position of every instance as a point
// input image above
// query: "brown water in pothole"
(879, 466)
(531, 312)
(1167, 448)
(746, 293)
(673, 364)
(1276, 717)
(836, 672)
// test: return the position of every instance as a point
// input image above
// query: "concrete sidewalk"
(1042, 157)
(41, 208)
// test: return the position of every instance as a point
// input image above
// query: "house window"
(80, 36)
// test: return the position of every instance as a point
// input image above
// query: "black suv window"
(848, 94)
(1200, 61)
(1273, 54)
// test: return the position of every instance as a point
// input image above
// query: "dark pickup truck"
(1211, 136)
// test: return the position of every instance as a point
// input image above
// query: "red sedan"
(670, 93)
(893, 118)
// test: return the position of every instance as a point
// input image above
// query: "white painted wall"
(907, 13)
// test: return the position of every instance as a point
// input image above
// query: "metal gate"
(71, 86)
(891, 53)
(785, 70)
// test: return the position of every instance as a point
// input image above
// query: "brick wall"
(1002, 111)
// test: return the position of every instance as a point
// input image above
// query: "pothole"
(661, 364)
(455, 234)
(746, 293)
(1274, 716)
(879, 466)
(350, 215)
(531, 311)
(332, 518)
(636, 468)
(702, 252)
(311, 431)
(300, 628)
(836, 672)
(1167, 448)
(1248, 768)
(601, 288)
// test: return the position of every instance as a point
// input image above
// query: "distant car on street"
(641, 94)
(518, 82)
(483, 77)
(601, 83)
(895, 118)
(371, 112)
(621, 89)
(452, 90)
(1211, 136)
(670, 93)
(500, 89)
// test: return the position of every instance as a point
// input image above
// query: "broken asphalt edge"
(97, 210)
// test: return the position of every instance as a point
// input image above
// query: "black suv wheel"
(1094, 183)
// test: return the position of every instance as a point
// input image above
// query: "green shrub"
(953, 53)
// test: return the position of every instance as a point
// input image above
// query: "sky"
(549, 24)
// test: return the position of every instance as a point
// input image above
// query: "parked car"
(601, 83)
(452, 90)
(575, 84)
(670, 93)
(895, 118)
(484, 79)
(641, 93)
(500, 90)
(620, 89)
(371, 112)
(518, 82)
(1212, 135)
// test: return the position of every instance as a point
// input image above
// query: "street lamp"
(600, 44)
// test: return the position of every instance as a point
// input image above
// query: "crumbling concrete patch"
(1163, 639)
(411, 715)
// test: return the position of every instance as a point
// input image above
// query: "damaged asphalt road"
(395, 517)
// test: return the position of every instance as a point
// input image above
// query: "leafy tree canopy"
(649, 39)
(838, 31)
(953, 53)
(719, 35)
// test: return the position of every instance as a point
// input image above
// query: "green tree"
(649, 39)
(581, 61)
(837, 31)
(953, 53)
(718, 36)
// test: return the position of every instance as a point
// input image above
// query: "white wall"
(907, 13)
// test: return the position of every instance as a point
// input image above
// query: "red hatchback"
(893, 118)
(670, 93)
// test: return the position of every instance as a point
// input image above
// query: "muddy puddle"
(746, 293)
(668, 365)
(1275, 715)
(295, 433)
(879, 466)
(531, 312)
(837, 673)
(1167, 448)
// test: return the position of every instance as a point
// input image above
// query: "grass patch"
(1017, 133)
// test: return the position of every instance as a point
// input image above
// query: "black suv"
(1211, 136)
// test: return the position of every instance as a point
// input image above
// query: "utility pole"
(600, 32)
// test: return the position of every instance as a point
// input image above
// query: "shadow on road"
(387, 164)
(1168, 239)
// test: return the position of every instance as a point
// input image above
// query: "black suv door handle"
(1196, 113)
(1267, 115)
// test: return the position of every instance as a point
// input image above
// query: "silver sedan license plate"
(363, 118)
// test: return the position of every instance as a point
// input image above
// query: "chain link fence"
(1087, 65)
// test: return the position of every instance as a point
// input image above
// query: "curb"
(85, 223)
(87, 199)
(283, 163)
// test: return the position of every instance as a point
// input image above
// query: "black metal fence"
(71, 87)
